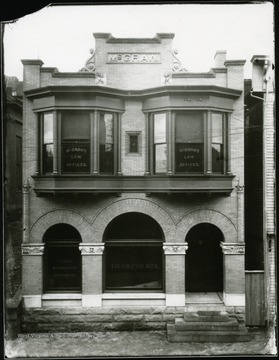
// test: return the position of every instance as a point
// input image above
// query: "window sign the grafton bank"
(133, 58)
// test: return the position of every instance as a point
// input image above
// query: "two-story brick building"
(133, 185)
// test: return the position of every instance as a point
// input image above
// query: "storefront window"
(62, 259)
(75, 138)
(189, 138)
(160, 145)
(47, 143)
(106, 143)
(133, 254)
(217, 143)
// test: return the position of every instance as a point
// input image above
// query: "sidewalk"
(138, 343)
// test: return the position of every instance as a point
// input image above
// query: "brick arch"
(146, 207)
(58, 217)
(213, 217)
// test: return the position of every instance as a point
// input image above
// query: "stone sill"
(136, 296)
(65, 296)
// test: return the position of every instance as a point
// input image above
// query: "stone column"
(32, 274)
(92, 274)
(175, 273)
(234, 274)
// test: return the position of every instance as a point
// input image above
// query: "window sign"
(64, 268)
(189, 158)
(134, 267)
(75, 158)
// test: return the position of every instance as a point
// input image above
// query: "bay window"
(189, 142)
(78, 142)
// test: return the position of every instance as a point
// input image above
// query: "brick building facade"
(133, 182)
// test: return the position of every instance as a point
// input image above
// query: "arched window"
(133, 253)
(62, 259)
(204, 259)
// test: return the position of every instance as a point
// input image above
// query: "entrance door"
(204, 259)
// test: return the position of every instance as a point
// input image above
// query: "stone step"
(193, 317)
(182, 325)
(207, 336)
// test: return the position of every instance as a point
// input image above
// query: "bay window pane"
(106, 145)
(189, 139)
(75, 134)
(217, 128)
(217, 143)
(160, 158)
(47, 143)
(159, 128)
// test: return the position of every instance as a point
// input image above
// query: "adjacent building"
(133, 184)
(260, 192)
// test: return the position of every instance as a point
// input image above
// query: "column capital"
(91, 248)
(175, 248)
(32, 249)
(233, 248)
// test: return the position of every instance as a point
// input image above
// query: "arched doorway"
(204, 259)
(62, 259)
(133, 254)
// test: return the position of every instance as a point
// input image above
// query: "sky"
(61, 36)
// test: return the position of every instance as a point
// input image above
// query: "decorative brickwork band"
(91, 249)
(175, 249)
(233, 248)
(32, 249)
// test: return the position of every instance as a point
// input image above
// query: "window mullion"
(95, 143)
(148, 145)
(168, 139)
(151, 146)
(55, 144)
(208, 152)
(39, 144)
(92, 142)
(228, 145)
(59, 141)
(118, 142)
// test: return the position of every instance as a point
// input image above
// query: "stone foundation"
(98, 319)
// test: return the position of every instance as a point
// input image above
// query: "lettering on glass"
(189, 158)
(133, 58)
(75, 158)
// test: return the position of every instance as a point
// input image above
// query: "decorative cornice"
(90, 63)
(175, 249)
(91, 249)
(233, 248)
(177, 66)
(32, 249)
(164, 89)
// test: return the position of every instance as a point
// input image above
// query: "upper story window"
(160, 143)
(78, 142)
(189, 142)
(217, 143)
(47, 125)
(75, 142)
(106, 143)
